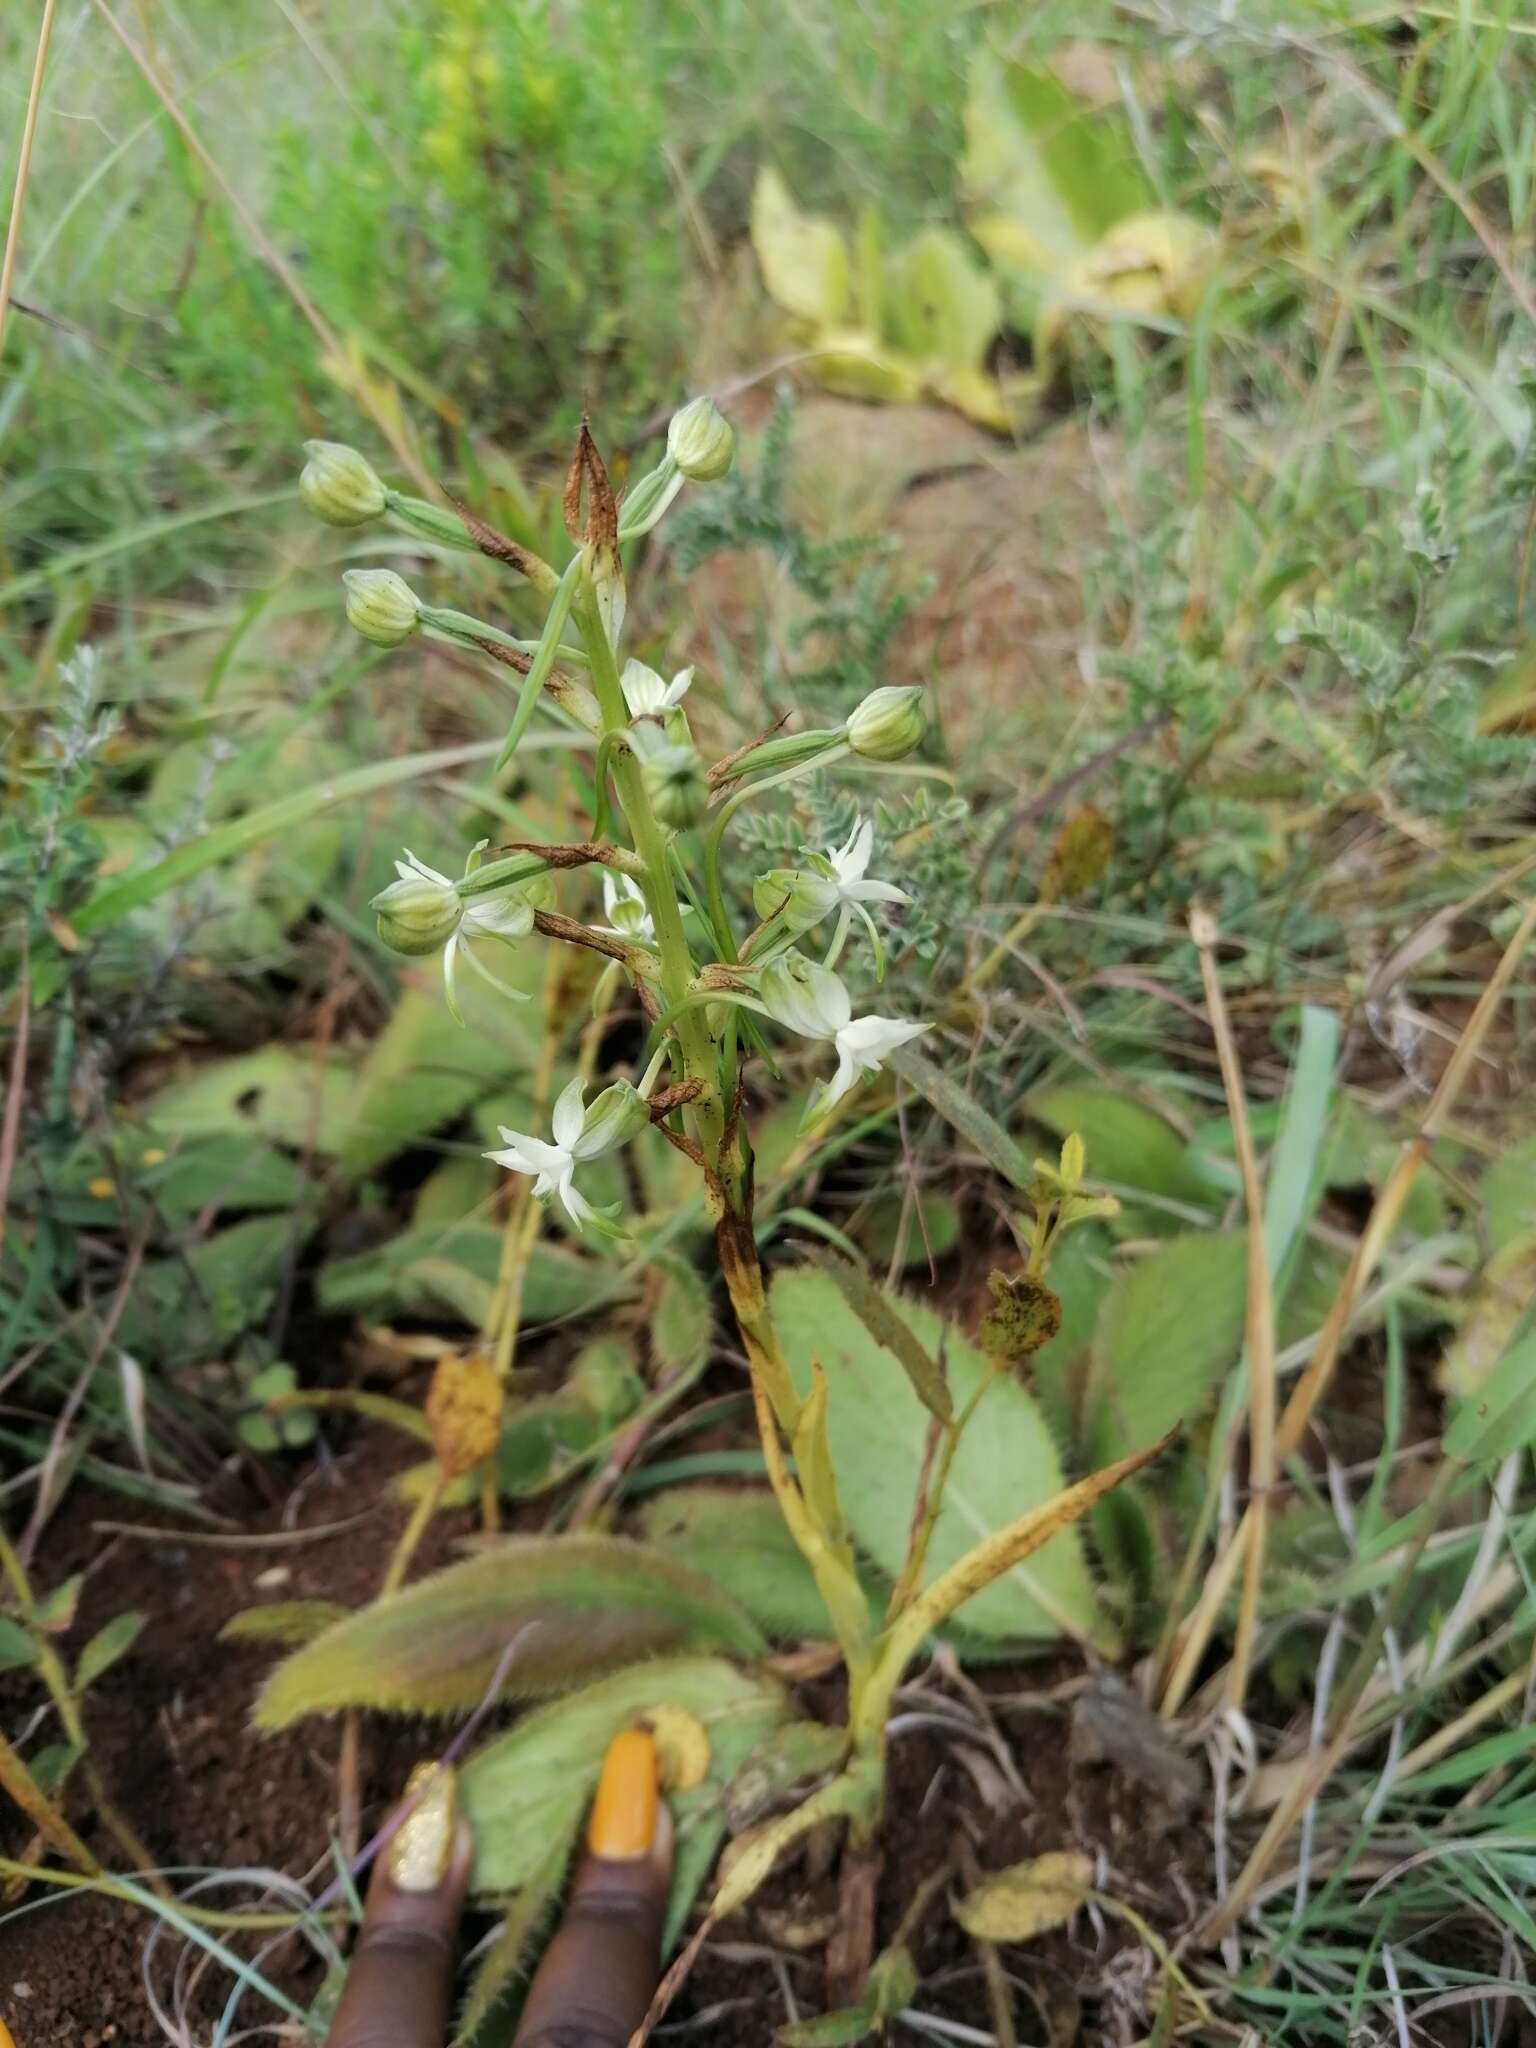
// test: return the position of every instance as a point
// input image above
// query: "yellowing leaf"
(803, 257)
(941, 307)
(464, 1406)
(1151, 267)
(856, 366)
(1027, 1898)
(1045, 176)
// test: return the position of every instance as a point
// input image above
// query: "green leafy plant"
(825, 1351)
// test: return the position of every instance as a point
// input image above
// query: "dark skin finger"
(600, 1971)
(400, 1984)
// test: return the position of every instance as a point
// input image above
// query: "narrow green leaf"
(890, 1328)
(107, 1646)
(291, 1622)
(571, 1605)
(17, 1644)
(975, 1124)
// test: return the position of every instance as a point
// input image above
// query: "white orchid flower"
(647, 695)
(810, 999)
(578, 1133)
(430, 902)
(834, 880)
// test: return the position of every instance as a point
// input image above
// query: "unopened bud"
(888, 724)
(799, 896)
(339, 485)
(614, 1117)
(676, 785)
(701, 441)
(381, 606)
(418, 915)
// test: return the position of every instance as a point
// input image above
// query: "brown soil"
(170, 1731)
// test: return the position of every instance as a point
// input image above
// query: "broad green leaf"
(740, 1540)
(784, 1762)
(1503, 1298)
(527, 1790)
(804, 259)
(510, 1956)
(1170, 1326)
(1500, 1416)
(683, 1321)
(1006, 1464)
(424, 1069)
(1509, 1195)
(422, 1272)
(278, 1094)
(571, 1606)
(1045, 177)
(941, 308)
(106, 1646)
(190, 1305)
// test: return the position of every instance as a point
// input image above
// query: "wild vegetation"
(851, 1055)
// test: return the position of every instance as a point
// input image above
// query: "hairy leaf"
(286, 1621)
(1006, 1463)
(569, 1606)
(1171, 1325)
(740, 1540)
(528, 1789)
(683, 1323)
(888, 1328)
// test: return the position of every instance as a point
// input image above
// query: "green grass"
(1272, 577)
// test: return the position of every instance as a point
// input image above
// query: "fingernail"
(421, 1848)
(623, 1823)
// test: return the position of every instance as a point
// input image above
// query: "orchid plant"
(705, 977)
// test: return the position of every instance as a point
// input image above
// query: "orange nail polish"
(623, 1823)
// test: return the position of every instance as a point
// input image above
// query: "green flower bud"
(339, 485)
(888, 724)
(418, 914)
(381, 606)
(612, 1119)
(701, 441)
(799, 896)
(677, 786)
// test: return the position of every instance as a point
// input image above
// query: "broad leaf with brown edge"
(570, 1607)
